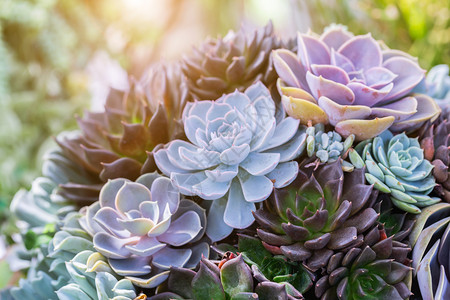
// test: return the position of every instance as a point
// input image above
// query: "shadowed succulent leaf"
(316, 214)
(220, 66)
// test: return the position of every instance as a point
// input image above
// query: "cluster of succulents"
(202, 155)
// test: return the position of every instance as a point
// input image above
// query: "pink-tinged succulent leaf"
(364, 129)
(321, 87)
(337, 113)
(331, 72)
(311, 51)
(164, 193)
(335, 37)
(401, 110)
(137, 226)
(368, 96)
(150, 211)
(378, 77)
(409, 75)
(342, 62)
(427, 109)
(363, 51)
(289, 68)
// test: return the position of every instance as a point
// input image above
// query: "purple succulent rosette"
(144, 228)
(239, 150)
(352, 83)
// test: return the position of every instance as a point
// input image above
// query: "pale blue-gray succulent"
(239, 149)
(437, 85)
(328, 146)
(396, 165)
(47, 272)
(144, 228)
(91, 278)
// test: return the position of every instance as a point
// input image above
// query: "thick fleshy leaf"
(368, 96)
(255, 188)
(283, 174)
(236, 277)
(363, 51)
(132, 266)
(337, 112)
(364, 129)
(289, 68)
(312, 51)
(304, 110)
(216, 228)
(338, 92)
(182, 230)
(409, 75)
(170, 257)
(146, 246)
(206, 285)
(238, 212)
(130, 196)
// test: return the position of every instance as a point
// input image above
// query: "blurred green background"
(55, 56)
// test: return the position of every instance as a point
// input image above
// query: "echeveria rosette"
(437, 85)
(328, 146)
(430, 238)
(232, 280)
(367, 272)
(238, 152)
(144, 228)
(220, 66)
(118, 142)
(435, 141)
(321, 212)
(351, 83)
(91, 278)
(396, 165)
(267, 267)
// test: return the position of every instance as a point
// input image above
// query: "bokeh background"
(60, 57)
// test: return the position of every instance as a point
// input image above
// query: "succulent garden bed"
(255, 168)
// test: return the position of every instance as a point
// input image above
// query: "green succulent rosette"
(396, 165)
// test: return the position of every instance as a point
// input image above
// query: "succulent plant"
(327, 146)
(220, 66)
(395, 223)
(88, 282)
(366, 272)
(321, 212)
(118, 142)
(351, 83)
(144, 228)
(437, 85)
(435, 141)
(396, 165)
(238, 152)
(47, 272)
(431, 239)
(267, 267)
(232, 280)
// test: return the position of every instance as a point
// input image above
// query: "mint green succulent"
(396, 165)
(92, 278)
(48, 272)
(328, 146)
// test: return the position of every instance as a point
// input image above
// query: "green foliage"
(420, 28)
